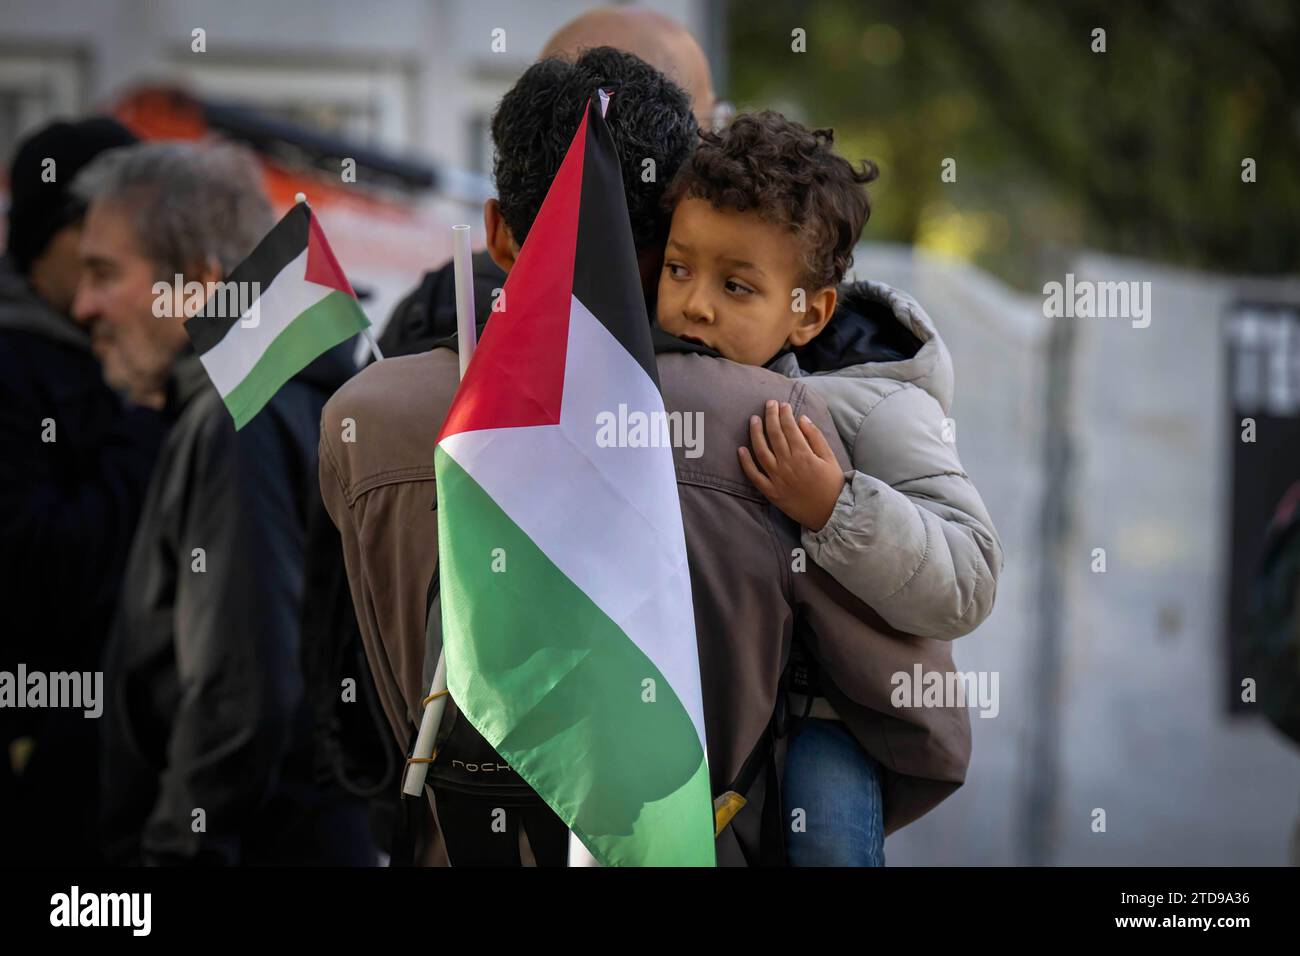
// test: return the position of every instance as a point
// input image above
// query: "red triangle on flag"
(516, 377)
(322, 267)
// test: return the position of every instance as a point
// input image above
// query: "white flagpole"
(436, 701)
(466, 329)
(467, 334)
(374, 346)
(369, 336)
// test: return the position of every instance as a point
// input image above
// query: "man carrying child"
(753, 597)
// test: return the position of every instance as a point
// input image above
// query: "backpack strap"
(761, 759)
(771, 850)
(799, 675)
(732, 800)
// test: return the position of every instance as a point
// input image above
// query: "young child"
(765, 217)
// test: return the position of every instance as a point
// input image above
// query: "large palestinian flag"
(277, 311)
(566, 597)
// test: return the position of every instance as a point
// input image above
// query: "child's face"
(728, 282)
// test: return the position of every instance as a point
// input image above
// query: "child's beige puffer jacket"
(910, 535)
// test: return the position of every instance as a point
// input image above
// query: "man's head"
(44, 214)
(765, 217)
(155, 211)
(659, 40)
(649, 118)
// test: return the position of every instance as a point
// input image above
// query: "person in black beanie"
(73, 473)
(42, 208)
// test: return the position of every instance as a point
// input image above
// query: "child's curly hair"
(791, 177)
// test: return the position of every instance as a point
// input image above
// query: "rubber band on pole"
(432, 697)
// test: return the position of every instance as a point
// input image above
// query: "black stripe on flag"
(284, 243)
(605, 275)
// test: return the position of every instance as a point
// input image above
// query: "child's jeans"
(837, 784)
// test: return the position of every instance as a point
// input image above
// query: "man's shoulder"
(385, 418)
(706, 378)
(716, 398)
(399, 383)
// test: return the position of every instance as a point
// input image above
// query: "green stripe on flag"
(334, 319)
(558, 689)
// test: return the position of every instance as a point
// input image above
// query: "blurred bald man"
(659, 40)
(428, 314)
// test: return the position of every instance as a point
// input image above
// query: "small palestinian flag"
(566, 597)
(276, 312)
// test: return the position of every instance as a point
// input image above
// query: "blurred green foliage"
(1136, 151)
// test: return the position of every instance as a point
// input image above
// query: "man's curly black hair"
(791, 177)
(649, 118)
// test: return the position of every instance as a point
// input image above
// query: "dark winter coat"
(205, 707)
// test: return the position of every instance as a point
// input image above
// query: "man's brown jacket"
(752, 588)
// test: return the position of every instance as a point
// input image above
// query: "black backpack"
(1271, 645)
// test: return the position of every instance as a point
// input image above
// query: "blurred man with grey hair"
(206, 756)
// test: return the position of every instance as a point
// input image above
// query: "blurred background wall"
(408, 79)
(1115, 686)
(1016, 146)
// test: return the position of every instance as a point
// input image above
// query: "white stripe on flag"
(609, 518)
(290, 294)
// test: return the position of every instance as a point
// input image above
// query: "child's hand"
(802, 477)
